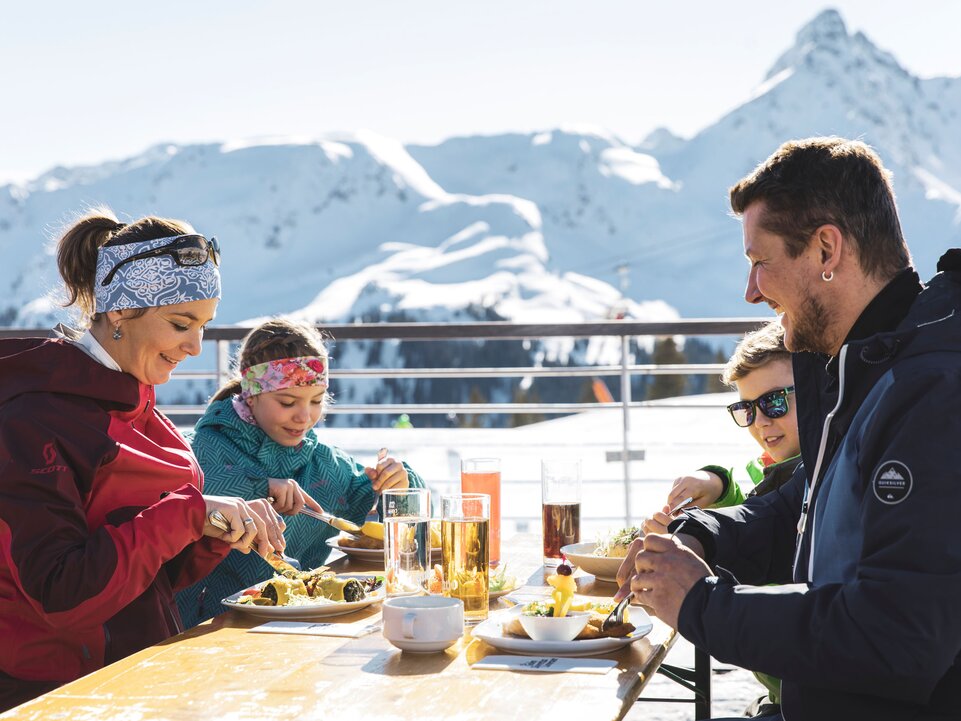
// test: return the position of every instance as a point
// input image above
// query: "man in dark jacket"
(868, 623)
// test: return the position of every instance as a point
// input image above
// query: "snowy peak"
(824, 46)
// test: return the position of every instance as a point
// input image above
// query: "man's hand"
(665, 572)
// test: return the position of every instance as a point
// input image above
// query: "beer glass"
(465, 550)
(406, 540)
(561, 506)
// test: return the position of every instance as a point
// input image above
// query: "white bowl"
(602, 567)
(548, 628)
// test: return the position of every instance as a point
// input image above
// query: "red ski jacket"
(101, 514)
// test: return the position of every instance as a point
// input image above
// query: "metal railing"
(625, 330)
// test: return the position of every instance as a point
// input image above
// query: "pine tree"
(714, 382)
(667, 386)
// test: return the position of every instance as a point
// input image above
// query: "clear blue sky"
(86, 82)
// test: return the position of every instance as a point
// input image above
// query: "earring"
(117, 335)
(827, 277)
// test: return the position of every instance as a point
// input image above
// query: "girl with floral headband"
(257, 440)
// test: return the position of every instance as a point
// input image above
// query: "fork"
(616, 617)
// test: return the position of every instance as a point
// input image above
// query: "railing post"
(626, 423)
(223, 362)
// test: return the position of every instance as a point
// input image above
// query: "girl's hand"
(657, 523)
(390, 473)
(287, 497)
(703, 487)
(245, 523)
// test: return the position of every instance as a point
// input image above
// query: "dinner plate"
(293, 613)
(369, 555)
(602, 567)
(492, 631)
(504, 591)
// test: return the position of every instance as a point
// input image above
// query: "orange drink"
(483, 475)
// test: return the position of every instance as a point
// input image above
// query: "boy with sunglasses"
(761, 371)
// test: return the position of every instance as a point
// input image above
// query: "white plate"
(293, 613)
(492, 631)
(504, 591)
(369, 555)
(602, 567)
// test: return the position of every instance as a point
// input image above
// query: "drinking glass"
(406, 540)
(561, 506)
(483, 475)
(465, 552)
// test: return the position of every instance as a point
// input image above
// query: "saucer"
(414, 646)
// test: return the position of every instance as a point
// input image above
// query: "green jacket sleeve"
(731, 495)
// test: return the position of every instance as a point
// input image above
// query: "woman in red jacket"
(101, 513)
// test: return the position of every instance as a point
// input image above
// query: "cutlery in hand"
(341, 524)
(276, 561)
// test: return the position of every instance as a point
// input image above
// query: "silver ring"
(270, 499)
(248, 520)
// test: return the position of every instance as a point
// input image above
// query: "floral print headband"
(276, 375)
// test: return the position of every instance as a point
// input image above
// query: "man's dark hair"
(808, 183)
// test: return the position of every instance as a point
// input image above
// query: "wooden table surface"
(219, 671)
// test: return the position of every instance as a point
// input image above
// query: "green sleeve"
(731, 495)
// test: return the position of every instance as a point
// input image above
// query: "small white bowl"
(548, 628)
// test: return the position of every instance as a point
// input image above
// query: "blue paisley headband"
(183, 269)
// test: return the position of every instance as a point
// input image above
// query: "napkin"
(314, 628)
(550, 664)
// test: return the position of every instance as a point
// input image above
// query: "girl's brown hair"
(78, 245)
(757, 349)
(273, 340)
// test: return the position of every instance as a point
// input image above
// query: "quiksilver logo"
(892, 482)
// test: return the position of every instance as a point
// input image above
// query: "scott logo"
(49, 453)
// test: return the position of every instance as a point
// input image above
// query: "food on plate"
(372, 536)
(593, 629)
(615, 546)
(319, 586)
(500, 581)
(564, 588)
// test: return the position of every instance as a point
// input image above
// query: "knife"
(274, 559)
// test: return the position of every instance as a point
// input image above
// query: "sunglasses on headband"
(186, 250)
(773, 404)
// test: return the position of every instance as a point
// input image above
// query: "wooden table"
(219, 671)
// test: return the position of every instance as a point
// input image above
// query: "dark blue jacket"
(868, 622)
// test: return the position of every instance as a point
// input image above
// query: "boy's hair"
(756, 350)
(273, 340)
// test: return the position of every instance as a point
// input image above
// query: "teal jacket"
(237, 458)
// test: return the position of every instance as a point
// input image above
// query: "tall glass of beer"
(465, 550)
(561, 506)
(483, 475)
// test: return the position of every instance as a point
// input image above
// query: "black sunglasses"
(186, 250)
(773, 404)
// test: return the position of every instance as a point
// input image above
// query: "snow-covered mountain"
(519, 226)
(662, 207)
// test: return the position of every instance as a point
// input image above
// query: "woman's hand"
(390, 473)
(246, 524)
(287, 497)
(703, 487)
(273, 539)
(657, 523)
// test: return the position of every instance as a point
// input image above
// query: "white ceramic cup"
(423, 624)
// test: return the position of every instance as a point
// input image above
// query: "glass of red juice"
(561, 506)
(483, 475)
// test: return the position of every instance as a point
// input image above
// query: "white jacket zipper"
(806, 508)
